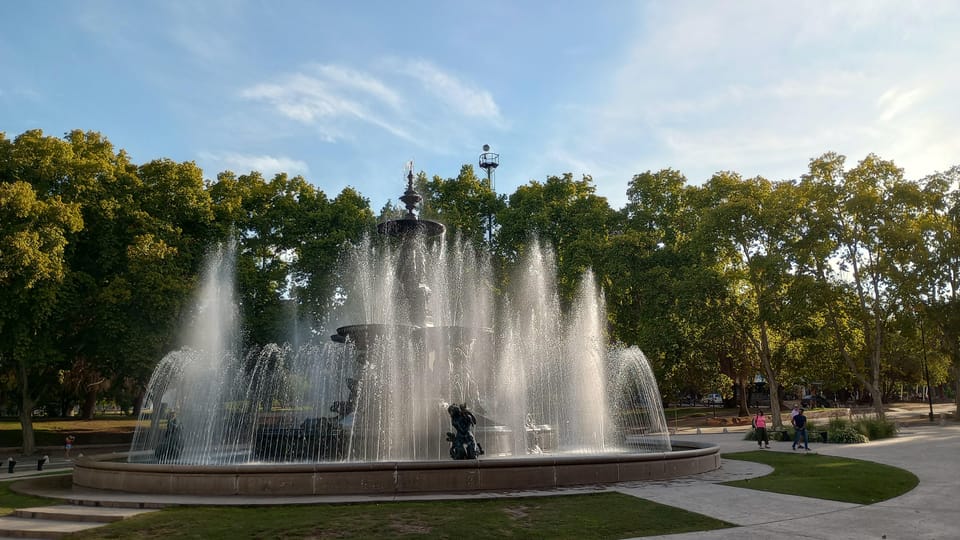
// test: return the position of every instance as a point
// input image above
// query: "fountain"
(535, 396)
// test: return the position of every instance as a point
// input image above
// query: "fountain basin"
(410, 227)
(394, 477)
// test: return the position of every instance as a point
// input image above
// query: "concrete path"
(60, 520)
(930, 511)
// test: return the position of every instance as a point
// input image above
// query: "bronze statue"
(171, 446)
(463, 445)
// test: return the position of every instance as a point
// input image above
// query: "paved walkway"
(931, 451)
(930, 511)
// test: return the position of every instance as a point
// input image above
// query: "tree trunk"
(89, 404)
(744, 397)
(138, 403)
(876, 390)
(871, 383)
(877, 398)
(956, 413)
(26, 414)
(772, 384)
(26, 426)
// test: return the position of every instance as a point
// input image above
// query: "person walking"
(800, 426)
(760, 425)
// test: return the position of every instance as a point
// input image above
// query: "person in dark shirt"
(800, 426)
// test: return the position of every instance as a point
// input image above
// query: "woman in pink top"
(760, 424)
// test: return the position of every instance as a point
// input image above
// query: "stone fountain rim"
(394, 477)
(689, 449)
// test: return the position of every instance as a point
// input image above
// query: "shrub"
(752, 435)
(876, 428)
(846, 435)
(837, 423)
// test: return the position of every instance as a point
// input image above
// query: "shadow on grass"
(10, 500)
(600, 515)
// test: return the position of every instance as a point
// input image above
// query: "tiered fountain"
(367, 412)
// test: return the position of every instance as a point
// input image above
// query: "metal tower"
(489, 162)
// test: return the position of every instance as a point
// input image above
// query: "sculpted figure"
(463, 445)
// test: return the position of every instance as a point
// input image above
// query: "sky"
(346, 93)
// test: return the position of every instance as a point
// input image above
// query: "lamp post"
(923, 360)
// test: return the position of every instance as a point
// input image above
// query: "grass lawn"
(10, 501)
(51, 431)
(826, 477)
(697, 412)
(600, 515)
(695, 416)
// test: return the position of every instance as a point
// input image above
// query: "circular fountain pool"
(420, 332)
(395, 477)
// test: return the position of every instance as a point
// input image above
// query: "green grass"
(697, 412)
(51, 431)
(826, 477)
(10, 501)
(601, 515)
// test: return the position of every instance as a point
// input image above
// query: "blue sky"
(345, 93)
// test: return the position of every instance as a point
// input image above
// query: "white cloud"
(329, 96)
(243, 163)
(303, 98)
(422, 105)
(895, 101)
(760, 89)
(464, 98)
(367, 84)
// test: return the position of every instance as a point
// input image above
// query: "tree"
(561, 212)
(651, 278)
(132, 267)
(751, 221)
(466, 205)
(161, 262)
(290, 238)
(940, 264)
(259, 213)
(33, 237)
(127, 271)
(854, 240)
(321, 230)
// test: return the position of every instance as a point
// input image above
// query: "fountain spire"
(410, 224)
(410, 197)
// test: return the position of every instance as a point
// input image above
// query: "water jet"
(418, 331)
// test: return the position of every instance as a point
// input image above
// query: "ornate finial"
(410, 197)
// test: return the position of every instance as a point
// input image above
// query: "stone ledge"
(403, 477)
